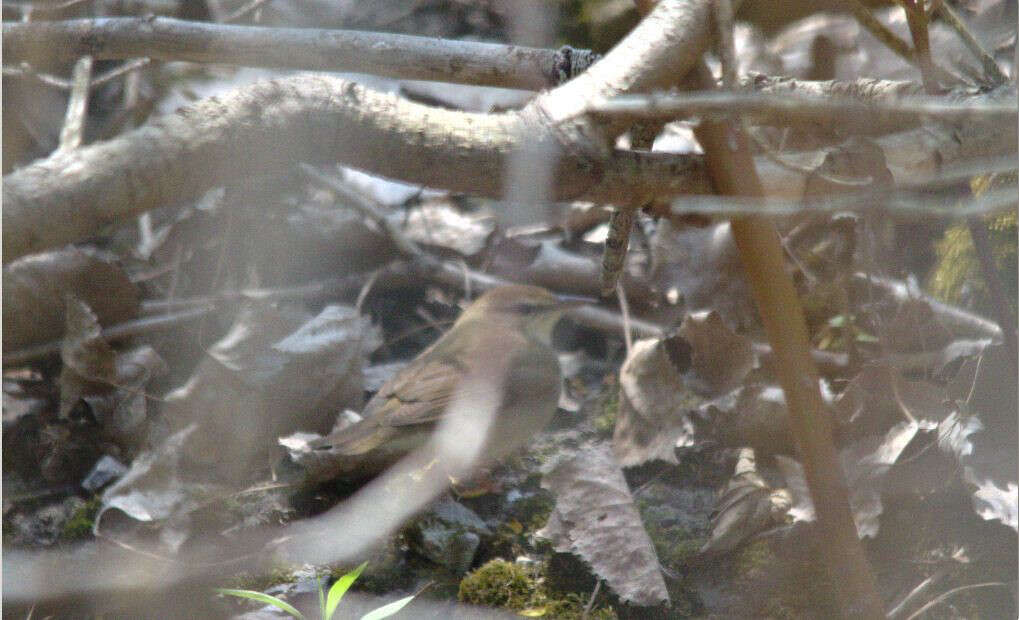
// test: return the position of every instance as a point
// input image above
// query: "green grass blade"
(339, 589)
(387, 610)
(262, 597)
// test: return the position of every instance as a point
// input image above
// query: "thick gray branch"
(392, 55)
(271, 125)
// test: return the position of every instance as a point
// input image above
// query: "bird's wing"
(416, 397)
(419, 394)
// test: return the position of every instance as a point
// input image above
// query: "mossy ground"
(506, 585)
(957, 278)
(608, 410)
(79, 526)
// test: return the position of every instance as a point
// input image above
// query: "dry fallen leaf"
(35, 286)
(719, 358)
(746, 506)
(596, 519)
(984, 433)
(273, 373)
(112, 384)
(878, 398)
(865, 465)
(439, 224)
(652, 406)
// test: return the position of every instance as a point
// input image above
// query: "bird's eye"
(527, 308)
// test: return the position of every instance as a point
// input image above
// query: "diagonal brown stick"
(732, 170)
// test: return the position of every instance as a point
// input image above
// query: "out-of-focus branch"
(315, 118)
(780, 109)
(267, 127)
(991, 67)
(271, 125)
(892, 41)
(393, 55)
(906, 204)
(72, 133)
(38, 11)
(120, 331)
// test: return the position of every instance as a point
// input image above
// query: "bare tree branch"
(780, 109)
(274, 124)
(270, 126)
(393, 55)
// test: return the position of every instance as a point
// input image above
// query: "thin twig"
(918, 21)
(312, 290)
(991, 69)
(25, 70)
(624, 309)
(999, 299)
(891, 40)
(365, 290)
(789, 108)
(127, 67)
(250, 7)
(590, 601)
(72, 133)
(392, 55)
(946, 595)
(119, 331)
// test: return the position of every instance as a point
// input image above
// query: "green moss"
(499, 584)
(956, 278)
(605, 421)
(79, 526)
(674, 544)
(506, 585)
(571, 607)
(754, 559)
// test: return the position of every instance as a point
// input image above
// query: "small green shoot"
(338, 590)
(388, 609)
(327, 603)
(262, 597)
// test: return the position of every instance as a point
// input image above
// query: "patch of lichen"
(608, 410)
(753, 559)
(674, 544)
(260, 582)
(506, 585)
(675, 547)
(956, 278)
(784, 587)
(79, 526)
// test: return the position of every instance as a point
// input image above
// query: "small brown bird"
(498, 352)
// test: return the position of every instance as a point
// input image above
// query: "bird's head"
(530, 309)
